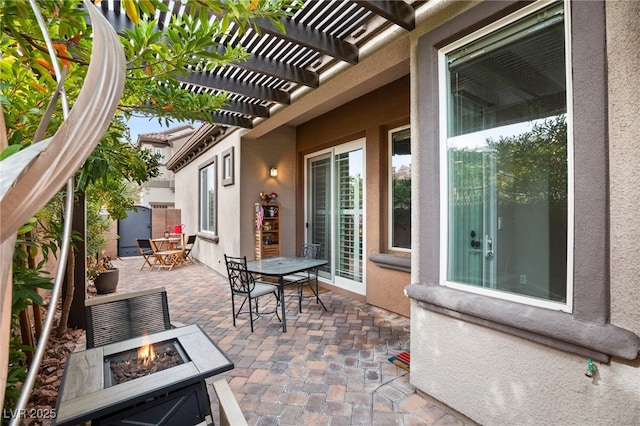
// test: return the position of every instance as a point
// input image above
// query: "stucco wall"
(273, 149)
(623, 34)
(187, 200)
(370, 116)
(252, 160)
(500, 379)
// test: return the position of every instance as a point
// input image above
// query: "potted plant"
(103, 274)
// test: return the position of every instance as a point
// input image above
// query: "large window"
(400, 188)
(208, 197)
(504, 160)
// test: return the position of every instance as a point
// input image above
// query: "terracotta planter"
(107, 281)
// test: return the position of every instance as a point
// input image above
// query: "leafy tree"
(155, 61)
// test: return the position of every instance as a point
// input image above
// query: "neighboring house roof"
(207, 135)
(166, 137)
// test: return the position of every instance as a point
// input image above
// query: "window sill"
(392, 261)
(208, 236)
(553, 328)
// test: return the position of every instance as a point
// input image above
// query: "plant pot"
(107, 281)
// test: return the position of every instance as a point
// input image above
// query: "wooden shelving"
(267, 228)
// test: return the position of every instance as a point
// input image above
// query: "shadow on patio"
(330, 368)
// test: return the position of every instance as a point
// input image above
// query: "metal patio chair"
(244, 284)
(310, 277)
(123, 316)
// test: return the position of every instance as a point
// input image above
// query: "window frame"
(390, 200)
(159, 150)
(587, 330)
(212, 167)
(227, 167)
(444, 137)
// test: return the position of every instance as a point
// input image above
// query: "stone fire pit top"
(83, 395)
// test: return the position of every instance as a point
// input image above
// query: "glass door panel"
(335, 213)
(349, 200)
(319, 212)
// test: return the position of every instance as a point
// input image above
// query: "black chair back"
(123, 316)
(241, 280)
(310, 251)
(144, 245)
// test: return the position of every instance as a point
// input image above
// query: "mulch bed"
(45, 392)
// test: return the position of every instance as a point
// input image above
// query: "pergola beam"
(213, 81)
(313, 39)
(398, 12)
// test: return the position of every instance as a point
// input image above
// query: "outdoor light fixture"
(273, 171)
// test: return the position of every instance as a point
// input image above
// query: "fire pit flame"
(146, 354)
(144, 360)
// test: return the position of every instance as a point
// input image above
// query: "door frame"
(331, 278)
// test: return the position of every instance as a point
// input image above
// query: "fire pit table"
(92, 390)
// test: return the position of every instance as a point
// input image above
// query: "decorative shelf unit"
(267, 229)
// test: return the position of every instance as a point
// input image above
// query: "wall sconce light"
(273, 171)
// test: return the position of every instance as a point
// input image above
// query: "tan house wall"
(277, 149)
(497, 378)
(252, 160)
(370, 116)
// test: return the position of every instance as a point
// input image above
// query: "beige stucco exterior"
(500, 379)
(252, 160)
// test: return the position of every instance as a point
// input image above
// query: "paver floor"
(329, 368)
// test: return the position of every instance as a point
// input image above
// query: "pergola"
(318, 38)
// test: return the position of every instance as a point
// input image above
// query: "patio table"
(279, 267)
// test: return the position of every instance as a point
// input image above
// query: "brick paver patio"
(330, 368)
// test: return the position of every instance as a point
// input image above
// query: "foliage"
(155, 61)
(96, 266)
(533, 165)
(530, 167)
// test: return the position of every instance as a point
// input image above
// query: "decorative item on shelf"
(264, 196)
(272, 211)
(266, 227)
(273, 197)
(268, 241)
(259, 216)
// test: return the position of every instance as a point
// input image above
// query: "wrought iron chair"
(123, 316)
(244, 284)
(146, 251)
(309, 251)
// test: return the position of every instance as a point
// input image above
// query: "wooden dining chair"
(186, 247)
(146, 251)
(166, 258)
(244, 284)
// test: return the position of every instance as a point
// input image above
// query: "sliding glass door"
(335, 212)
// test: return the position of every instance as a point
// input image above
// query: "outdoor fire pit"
(140, 362)
(156, 379)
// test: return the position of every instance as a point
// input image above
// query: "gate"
(136, 225)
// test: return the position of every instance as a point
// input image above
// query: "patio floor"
(330, 368)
